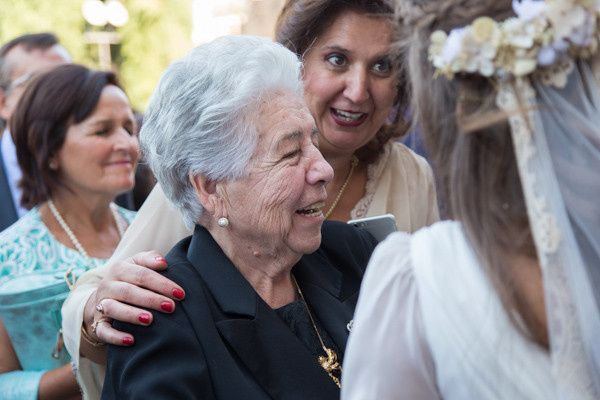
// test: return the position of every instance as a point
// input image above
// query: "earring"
(223, 222)
(53, 165)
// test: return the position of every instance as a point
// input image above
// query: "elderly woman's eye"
(383, 67)
(291, 154)
(336, 60)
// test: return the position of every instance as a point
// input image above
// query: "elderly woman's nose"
(320, 171)
(357, 85)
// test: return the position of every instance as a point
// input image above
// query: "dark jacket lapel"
(265, 345)
(330, 294)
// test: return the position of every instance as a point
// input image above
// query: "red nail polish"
(160, 259)
(166, 306)
(144, 318)
(178, 293)
(127, 340)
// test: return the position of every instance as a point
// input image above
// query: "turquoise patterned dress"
(28, 246)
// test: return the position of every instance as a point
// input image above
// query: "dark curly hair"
(300, 24)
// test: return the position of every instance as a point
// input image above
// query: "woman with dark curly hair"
(358, 99)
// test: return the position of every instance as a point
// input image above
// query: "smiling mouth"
(313, 210)
(348, 117)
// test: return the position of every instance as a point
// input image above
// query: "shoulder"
(22, 243)
(180, 267)
(403, 260)
(442, 238)
(30, 221)
(180, 271)
(345, 241)
(407, 159)
(27, 230)
(445, 255)
(411, 194)
(391, 260)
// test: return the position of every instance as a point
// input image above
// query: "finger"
(136, 296)
(125, 312)
(140, 275)
(149, 259)
(107, 334)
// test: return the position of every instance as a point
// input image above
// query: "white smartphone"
(379, 226)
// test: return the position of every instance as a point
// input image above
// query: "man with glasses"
(20, 60)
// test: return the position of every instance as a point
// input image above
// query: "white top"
(429, 325)
(13, 171)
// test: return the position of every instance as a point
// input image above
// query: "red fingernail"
(144, 318)
(166, 306)
(160, 259)
(127, 340)
(178, 293)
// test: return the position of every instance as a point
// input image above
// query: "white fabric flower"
(453, 45)
(547, 56)
(527, 10)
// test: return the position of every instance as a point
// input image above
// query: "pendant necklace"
(330, 362)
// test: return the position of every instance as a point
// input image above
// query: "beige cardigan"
(399, 182)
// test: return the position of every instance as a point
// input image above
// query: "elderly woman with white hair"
(270, 288)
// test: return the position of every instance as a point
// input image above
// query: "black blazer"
(8, 212)
(224, 342)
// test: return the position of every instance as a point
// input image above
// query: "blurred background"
(137, 39)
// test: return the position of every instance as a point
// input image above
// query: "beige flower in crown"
(542, 34)
(520, 40)
(566, 16)
(472, 49)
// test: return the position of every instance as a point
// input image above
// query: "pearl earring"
(223, 222)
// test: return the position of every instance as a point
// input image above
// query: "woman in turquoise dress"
(77, 147)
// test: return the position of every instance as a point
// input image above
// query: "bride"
(501, 303)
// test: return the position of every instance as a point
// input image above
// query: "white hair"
(202, 116)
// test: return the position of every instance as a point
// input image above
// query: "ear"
(206, 190)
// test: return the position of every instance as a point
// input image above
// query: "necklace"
(353, 164)
(330, 363)
(72, 236)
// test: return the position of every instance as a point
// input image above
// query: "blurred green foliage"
(158, 32)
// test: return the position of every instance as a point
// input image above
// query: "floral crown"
(543, 35)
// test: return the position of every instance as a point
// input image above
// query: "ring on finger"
(98, 322)
(100, 307)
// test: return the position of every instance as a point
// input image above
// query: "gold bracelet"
(89, 340)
